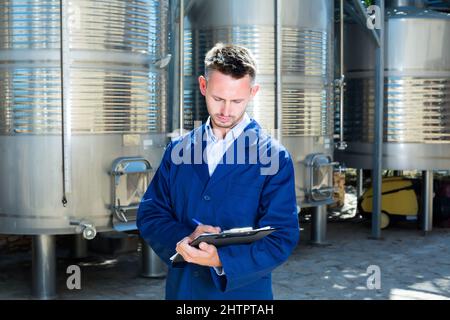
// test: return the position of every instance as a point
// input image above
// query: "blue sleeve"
(244, 264)
(155, 217)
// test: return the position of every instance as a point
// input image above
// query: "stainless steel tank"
(417, 87)
(306, 82)
(83, 112)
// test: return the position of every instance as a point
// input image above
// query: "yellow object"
(339, 189)
(384, 220)
(398, 198)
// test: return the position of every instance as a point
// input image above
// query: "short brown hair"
(232, 60)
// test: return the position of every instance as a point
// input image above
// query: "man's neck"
(220, 133)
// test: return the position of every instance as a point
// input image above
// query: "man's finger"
(195, 253)
(206, 247)
(182, 245)
(184, 239)
(184, 249)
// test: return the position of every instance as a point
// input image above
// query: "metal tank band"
(306, 70)
(417, 82)
(305, 67)
(115, 105)
(113, 84)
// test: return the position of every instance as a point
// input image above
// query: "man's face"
(226, 97)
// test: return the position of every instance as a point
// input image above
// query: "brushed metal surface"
(113, 84)
(30, 188)
(306, 68)
(306, 59)
(117, 106)
(417, 87)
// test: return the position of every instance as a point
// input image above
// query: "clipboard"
(227, 237)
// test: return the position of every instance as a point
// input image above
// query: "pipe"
(319, 225)
(43, 267)
(181, 62)
(377, 160)
(427, 217)
(278, 66)
(152, 265)
(80, 247)
(66, 129)
(173, 68)
(342, 145)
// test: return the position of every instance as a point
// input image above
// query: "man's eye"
(217, 99)
(237, 101)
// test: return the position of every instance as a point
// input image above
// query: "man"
(224, 174)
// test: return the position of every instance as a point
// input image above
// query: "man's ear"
(202, 84)
(255, 90)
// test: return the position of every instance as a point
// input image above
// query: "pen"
(197, 222)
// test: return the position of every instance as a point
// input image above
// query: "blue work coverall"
(236, 195)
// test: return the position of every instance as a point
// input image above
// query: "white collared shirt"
(215, 147)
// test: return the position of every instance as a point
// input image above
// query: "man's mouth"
(223, 119)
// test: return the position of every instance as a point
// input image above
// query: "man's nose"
(226, 108)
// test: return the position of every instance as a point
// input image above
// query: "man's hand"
(206, 255)
(203, 229)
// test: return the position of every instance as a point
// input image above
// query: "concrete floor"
(412, 267)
